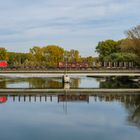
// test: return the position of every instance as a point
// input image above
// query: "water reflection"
(79, 116)
(119, 82)
(130, 102)
(82, 82)
(133, 108)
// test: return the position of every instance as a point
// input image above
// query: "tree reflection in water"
(133, 108)
(45, 83)
(119, 82)
(131, 102)
(2, 83)
(40, 83)
(110, 82)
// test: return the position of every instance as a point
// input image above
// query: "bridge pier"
(66, 78)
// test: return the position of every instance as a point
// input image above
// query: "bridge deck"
(70, 73)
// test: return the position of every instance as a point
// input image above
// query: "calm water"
(67, 116)
(76, 82)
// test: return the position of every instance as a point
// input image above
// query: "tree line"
(124, 50)
(45, 57)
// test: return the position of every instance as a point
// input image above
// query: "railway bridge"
(60, 73)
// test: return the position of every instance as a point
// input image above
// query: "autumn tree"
(37, 54)
(72, 55)
(53, 54)
(46, 56)
(132, 43)
(3, 54)
(16, 59)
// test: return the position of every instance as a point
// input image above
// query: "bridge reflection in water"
(124, 98)
(130, 101)
(45, 98)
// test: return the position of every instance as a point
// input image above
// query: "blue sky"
(78, 24)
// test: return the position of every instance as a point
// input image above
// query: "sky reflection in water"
(70, 117)
(67, 120)
(76, 82)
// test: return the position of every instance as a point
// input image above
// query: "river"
(68, 116)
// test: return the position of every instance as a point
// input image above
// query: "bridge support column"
(110, 64)
(124, 64)
(105, 64)
(66, 79)
(114, 64)
(130, 64)
(120, 64)
(94, 64)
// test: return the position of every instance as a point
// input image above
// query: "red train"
(3, 99)
(3, 64)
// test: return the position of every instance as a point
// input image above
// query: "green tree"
(121, 56)
(105, 48)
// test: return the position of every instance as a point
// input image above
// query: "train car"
(73, 65)
(3, 64)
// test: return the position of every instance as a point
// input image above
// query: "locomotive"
(3, 64)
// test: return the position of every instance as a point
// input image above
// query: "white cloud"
(54, 19)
